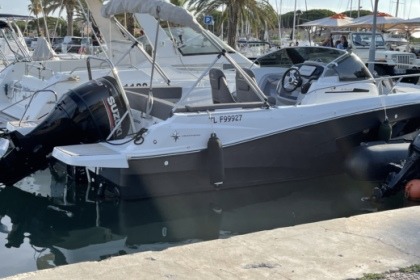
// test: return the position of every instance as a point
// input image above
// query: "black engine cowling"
(86, 114)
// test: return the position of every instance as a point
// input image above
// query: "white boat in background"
(183, 59)
(254, 48)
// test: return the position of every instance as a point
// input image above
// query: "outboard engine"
(397, 180)
(86, 114)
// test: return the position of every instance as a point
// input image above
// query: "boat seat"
(244, 93)
(161, 109)
(219, 89)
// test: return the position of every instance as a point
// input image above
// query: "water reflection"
(47, 221)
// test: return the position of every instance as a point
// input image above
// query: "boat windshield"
(364, 39)
(190, 42)
(348, 68)
(287, 57)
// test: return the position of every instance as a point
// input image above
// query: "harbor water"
(46, 221)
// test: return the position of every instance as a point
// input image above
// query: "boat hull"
(302, 153)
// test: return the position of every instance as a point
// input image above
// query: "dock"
(344, 248)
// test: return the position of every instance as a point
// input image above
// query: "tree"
(310, 15)
(180, 3)
(69, 5)
(254, 12)
(35, 8)
(128, 21)
(354, 13)
(57, 24)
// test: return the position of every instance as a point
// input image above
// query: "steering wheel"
(291, 80)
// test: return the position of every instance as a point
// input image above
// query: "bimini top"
(167, 11)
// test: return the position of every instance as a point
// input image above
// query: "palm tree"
(127, 19)
(255, 12)
(180, 3)
(69, 5)
(36, 8)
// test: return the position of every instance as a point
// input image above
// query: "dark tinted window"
(278, 58)
(350, 69)
(289, 56)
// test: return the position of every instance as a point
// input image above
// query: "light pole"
(372, 48)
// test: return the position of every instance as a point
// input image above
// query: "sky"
(407, 8)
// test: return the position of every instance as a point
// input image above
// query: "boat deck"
(4, 118)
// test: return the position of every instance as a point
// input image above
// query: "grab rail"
(120, 87)
(32, 98)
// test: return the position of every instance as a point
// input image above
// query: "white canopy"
(336, 20)
(167, 11)
(413, 21)
(383, 20)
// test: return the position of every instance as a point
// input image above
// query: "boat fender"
(373, 161)
(385, 131)
(412, 190)
(215, 157)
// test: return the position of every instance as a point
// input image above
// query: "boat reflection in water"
(47, 221)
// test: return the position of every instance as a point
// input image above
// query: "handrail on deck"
(120, 87)
(32, 98)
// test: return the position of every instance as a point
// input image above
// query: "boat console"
(296, 82)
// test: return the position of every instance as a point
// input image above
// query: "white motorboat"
(277, 127)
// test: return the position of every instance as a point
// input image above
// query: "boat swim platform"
(344, 248)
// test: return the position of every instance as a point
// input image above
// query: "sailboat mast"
(294, 23)
(279, 19)
(396, 11)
